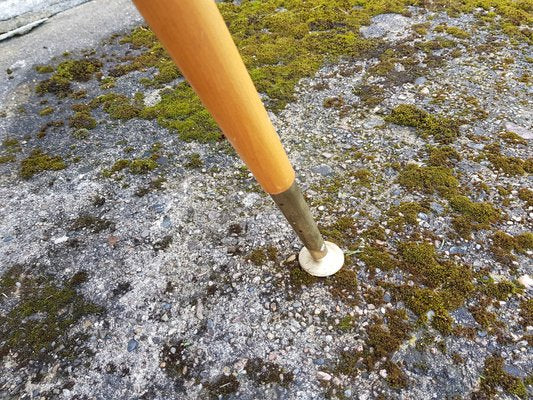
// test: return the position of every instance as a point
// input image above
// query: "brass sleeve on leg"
(295, 209)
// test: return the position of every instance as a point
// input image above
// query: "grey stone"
(514, 371)
(423, 216)
(458, 250)
(386, 26)
(519, 130)
(436, 207)
(323, 169)
(132, 345)
(166, 223)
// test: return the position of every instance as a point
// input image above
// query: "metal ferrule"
(294, 207)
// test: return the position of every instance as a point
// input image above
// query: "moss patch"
(472, 215)
(263, 372)
(503, 245)
(446, 285)
(46, 111)
(182, 111)
(92, 223)
(82, 120)
(194, 161)
(377, 257)
(222, 386)
(443, 156)
(136, 166)
(42, 318)
(118, 106)
(508, 165)
(526, 195)
(494, 377)
(67, 71)
(526, 313)
(428, 179)
(38, 161)
(442, 129)
(343, 285)
(343, 231)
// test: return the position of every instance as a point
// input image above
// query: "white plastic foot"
(327, 266)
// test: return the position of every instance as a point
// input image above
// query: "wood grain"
(196, 37)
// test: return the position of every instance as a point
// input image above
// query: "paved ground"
(75, 29)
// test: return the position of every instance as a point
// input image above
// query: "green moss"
(42, 317)
(107, 82)
(194, 161)
(385, 338)
(11, 146)
(343, 285)
(155, 184)
(46, 111)
(422, 28)
(82, 120)
(421, 260)
(508, 165)
(222, 386)
(428, 179)
(447, 285)
(57, 85)
(333, 102)
(438, 43)
(494, 376)
(346, 323)
(443, 156)
(504, 244)
(142, 166)
(343, 231)
(258, 257)
(396, 378)
(299, 278)
(487, 319)
(526, 195)
(283, 43)
(118, 106)
(181, 110)
(264, 373)
(136, 166)
(501, 290)
(370, 95)
(472, 216)
(513, 138)
(524, 242)
(363, 176)
(457, 32)
(38, 161)
(442, 129)
(81, 133)
(92, 224)
(377, 258)
(44, 69)
(78, 70)
(406, 213)
(526, 312)
(140, 37)
(67, 71)
(7, 158)
(442, 321)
